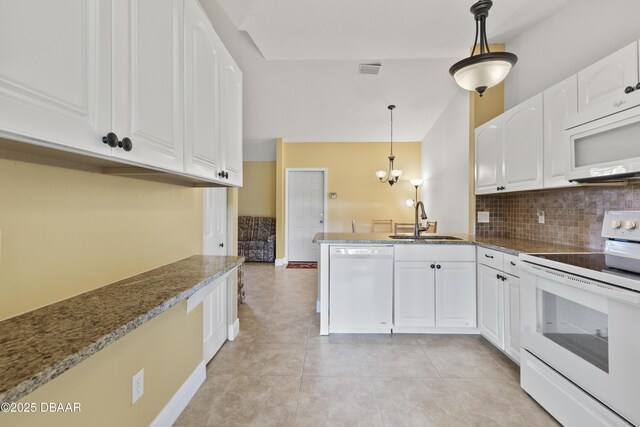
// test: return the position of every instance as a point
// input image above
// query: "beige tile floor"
(280, 372)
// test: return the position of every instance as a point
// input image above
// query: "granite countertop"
(504, 244)
(38, 346)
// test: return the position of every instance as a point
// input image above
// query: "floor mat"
(302, 265)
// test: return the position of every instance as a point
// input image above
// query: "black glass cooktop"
(589, 261)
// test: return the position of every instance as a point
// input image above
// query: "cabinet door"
(490, 305)
(560, 102)
(55, 72)
(488, 157)
(606, 80)
(414, 293)
(147, 81)
(202, 94)
(231, 120)
(522, 145)
(214, 314)
(456, 294)
(512, 316)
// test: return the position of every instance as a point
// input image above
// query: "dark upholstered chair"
(257, 238)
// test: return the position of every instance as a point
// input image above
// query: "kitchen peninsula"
(428, 286)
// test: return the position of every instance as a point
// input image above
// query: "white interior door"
(305, 215)
(215, 221)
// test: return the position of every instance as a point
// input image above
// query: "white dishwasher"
(360, 289)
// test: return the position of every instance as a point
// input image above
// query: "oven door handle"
(588, 285)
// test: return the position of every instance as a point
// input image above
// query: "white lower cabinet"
(214, 315)
(434, 294)
(414, 292)
(512, 316)
(490, 305)
(499, 301)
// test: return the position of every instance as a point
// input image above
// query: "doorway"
(306, 214)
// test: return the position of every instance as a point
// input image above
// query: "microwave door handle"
(629, 297)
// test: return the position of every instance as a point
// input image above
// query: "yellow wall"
(351, 173)
(64, 232)
(102, 383)
(481, 110)
(257, 197)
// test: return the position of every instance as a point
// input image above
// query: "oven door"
(587, 331)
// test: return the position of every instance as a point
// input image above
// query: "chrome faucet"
(416, 227)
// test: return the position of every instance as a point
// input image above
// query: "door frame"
(325, 172)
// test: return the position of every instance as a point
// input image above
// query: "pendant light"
(486, 69)
(393, 175)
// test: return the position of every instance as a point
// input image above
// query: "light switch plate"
(483, 217)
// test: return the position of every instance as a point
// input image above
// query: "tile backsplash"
(573, 216)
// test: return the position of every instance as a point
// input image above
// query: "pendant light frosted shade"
(486, 69)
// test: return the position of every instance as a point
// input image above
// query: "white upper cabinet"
(522, 145)
(55, 72)
(489, 157)
(606, 80)
(74, 71)
(202, 58)
(509, 150)
(231, 120)
(560, 102)
(213, 103)
(147, 81)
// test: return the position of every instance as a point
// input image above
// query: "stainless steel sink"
(425, 237)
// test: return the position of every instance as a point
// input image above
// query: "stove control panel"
(622, 225)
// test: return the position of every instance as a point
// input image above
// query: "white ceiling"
(383, 29)
(300, 57)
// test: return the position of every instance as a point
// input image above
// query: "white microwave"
(604, 142)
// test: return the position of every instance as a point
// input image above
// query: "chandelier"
(392, 175)
(486, 69)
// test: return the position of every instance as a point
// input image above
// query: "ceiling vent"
(371, 69)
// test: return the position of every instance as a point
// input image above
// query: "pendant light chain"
(391, 109)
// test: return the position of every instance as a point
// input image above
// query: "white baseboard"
(317, 306)
(233, 331)
(172, 410)
(281, 262)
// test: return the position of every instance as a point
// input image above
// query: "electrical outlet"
(137, 386)
(483, 217)
(540, 216)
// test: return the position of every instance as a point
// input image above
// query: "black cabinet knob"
(433, 266)
(110, 139)
(126, 144)
(221, 245)
(638, 86)
(629, 89)
(226, 175)
(438, 266)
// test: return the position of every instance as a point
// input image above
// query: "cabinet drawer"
(434, 252)
(511, 265)
(491, 258)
